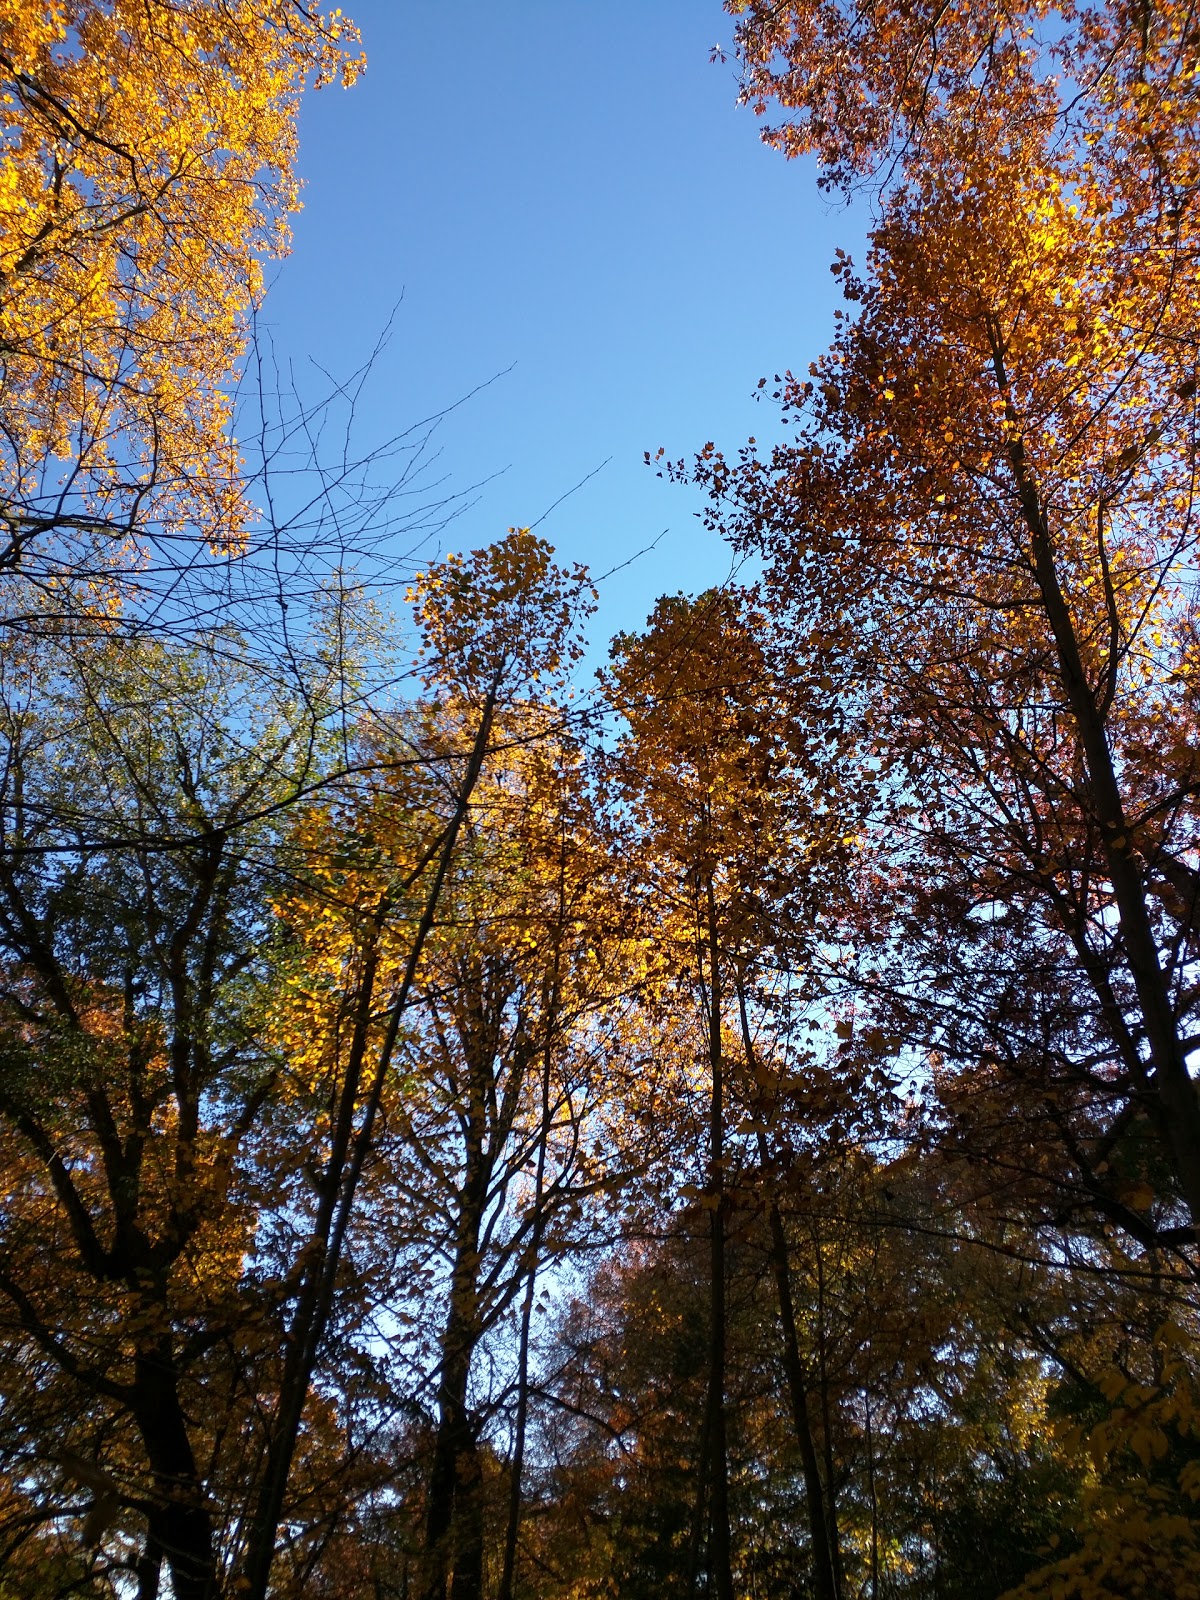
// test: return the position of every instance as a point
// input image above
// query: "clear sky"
(566, 188)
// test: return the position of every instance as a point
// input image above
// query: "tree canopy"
(725, 1125)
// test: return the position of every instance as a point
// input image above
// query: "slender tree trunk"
(824, 1562)
(180, 1526)
(874, 1499)
(720, 1561)
(453, 1524)
(149, 1569)
(825, 1555)
(700, 1508)
(513, 1528)
(835, 1545)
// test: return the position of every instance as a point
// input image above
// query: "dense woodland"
(473, 1130)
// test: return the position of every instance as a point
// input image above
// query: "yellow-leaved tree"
(146, 169)
(377, 901)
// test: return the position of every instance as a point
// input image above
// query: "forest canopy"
(473, 1128)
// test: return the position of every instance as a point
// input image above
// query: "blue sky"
(566, 188)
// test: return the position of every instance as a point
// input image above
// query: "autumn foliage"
(726, 1125)
(146, 170)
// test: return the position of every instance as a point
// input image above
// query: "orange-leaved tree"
(988, 519)
(736, 791)
(494, 1139)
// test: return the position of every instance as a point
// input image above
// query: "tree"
(988, 514)
(732, 772)
(1138, 1526)
(146, 169)
(135, 1077)
(953, 1445)
(362, 914)
(494, 1155)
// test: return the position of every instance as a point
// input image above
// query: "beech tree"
(672, 692)
(494, 1152)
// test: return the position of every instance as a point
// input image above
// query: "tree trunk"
(720, 1564)
(453, 1521)
(824, 1561)
(873, 1497)
(825, 1558)
(454, 1473)
(453, 1485)
(513, 1528)
(180, 1527)
(696, 1538)
(835, 1548)
(467, 1580)
(149, 1569)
